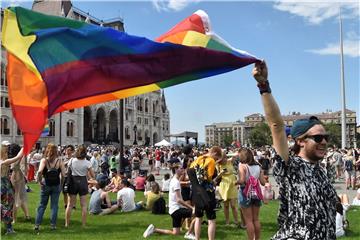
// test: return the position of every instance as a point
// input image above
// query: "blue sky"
(299, 41)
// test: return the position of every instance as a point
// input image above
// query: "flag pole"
(343, 106)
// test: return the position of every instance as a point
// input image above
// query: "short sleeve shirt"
(307, 200)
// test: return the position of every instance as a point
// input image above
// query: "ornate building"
(216, 133)
(146, 117)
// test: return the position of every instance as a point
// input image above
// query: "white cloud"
(317, 12)
(171, 5)
(350, 47)
(14, 3)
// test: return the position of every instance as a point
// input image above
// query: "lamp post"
(135, 129)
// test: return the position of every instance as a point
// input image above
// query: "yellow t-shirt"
(116, 181)
(150, 199)
(207, 163)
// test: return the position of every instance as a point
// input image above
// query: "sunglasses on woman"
(318, 138)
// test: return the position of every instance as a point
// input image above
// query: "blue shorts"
(244, 202)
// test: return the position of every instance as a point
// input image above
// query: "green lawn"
(132, 225)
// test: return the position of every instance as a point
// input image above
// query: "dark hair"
(150, 178)
(187, 149)
(70, 146)
(102, 183)
(13, 150)
(113, 170)
(81, 152)
(167, 176)
(339, 208)
(125, 182)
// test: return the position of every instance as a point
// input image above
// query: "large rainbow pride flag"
(56, 64)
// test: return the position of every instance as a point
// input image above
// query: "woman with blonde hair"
(79, 168)
(51, 166)
(250, 206)
(7, 191)
(227, 187)
(18, 180)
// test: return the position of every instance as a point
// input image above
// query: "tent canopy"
(163, 143)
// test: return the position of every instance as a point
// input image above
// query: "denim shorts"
(244, 202)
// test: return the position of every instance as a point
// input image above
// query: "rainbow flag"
(45, 131)
(56, 64)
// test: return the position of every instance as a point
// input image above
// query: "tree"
(260, 135)
(334, 132)
(228, 139)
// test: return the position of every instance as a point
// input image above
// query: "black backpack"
(348, 165)
(52, 177)
(159, 206)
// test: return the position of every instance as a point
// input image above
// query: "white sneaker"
(149, 231)
(189, 236)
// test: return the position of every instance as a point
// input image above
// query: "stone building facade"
(145, 116)
(216, 132)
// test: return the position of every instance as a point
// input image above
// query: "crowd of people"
(199, 180)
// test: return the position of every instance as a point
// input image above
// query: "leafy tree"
(334, 131)
(260, 135)
(228, 139)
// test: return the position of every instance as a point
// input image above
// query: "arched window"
(51, 128)
(70, 129)
(147, 105)
(18, 131)
(127, 135)
(4, 129)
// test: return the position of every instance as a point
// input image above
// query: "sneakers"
(189, 236)
(149, 231)
(52, 227)
(37, 230)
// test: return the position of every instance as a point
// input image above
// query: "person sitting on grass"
(140, 181)
(126, 197)
(152, 196)
(178, 208)
(100, 196)
(115, 181)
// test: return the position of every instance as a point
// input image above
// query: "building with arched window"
(145, 116)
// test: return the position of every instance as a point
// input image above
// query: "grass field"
(132, 225)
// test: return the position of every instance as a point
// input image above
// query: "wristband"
(264, 87)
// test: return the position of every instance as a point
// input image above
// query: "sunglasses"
(319, 137)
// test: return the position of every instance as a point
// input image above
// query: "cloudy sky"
(299, 41)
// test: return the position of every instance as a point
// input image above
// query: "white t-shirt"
(173, 204)
(165, 185)
(339, 225)
(127, 195)
(356, 202)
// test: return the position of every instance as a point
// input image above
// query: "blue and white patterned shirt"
(307, 201)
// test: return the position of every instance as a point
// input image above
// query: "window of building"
(7, 104)
(70, 129)
(147, 105)
(51, 128)
(139, 120)
(4, 126)
(127, 135)
(154, 123)
(126, 115)
(71, 110)
(146, 121)
(18, 131)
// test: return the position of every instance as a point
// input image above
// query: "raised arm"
(14, 159)
(272, 111)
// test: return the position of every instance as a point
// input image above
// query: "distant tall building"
(145, 114)
(216, 133)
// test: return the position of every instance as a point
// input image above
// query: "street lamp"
(135, 129)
